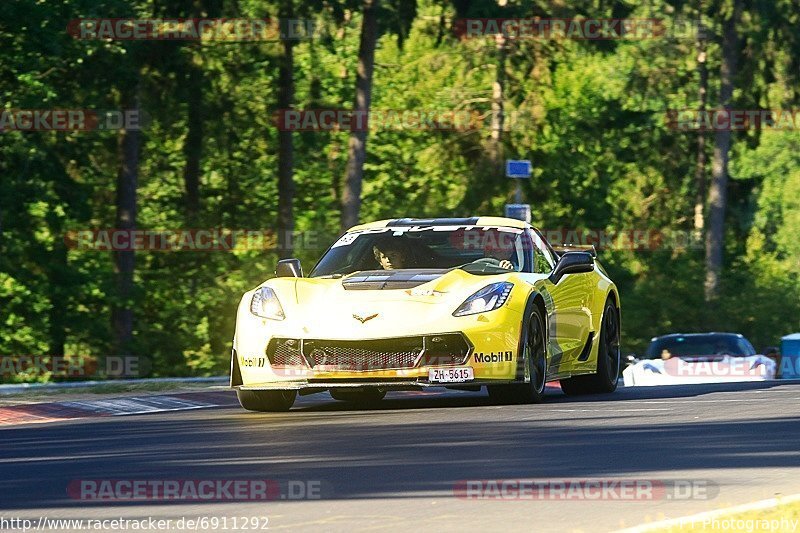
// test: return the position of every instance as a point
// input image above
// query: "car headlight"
(266, 305)
(487, 299)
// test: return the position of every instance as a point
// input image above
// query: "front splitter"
(381, 384)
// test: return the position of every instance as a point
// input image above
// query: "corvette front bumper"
(297, 355)
(318, 386)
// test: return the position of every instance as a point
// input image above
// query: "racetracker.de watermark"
(601, 239)
(592, 29)
(148, 523)
(396, 119)
(191, 240)
(193, 490)
(30, 367)
(475, 239)
(193, 29)
(71, 120)
(586, 489)
(733, 119)
(716, 367)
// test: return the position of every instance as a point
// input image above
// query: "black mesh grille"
(377, 354)
(285, 352)
(363, 355)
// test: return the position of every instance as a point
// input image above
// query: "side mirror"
(289, 268)
(572, 263)
(632, 359)
(774, 353)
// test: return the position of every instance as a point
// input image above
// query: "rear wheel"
(358, 396)
(534, 360)
(605, 380)
(266, 401)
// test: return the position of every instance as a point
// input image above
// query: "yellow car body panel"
(322, 308)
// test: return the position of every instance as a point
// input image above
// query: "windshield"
(700, 345)
(491, 249)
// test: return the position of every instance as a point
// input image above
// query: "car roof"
(471, 221)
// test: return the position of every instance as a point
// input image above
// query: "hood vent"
(378, 280)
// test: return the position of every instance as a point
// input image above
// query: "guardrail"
(16, 388)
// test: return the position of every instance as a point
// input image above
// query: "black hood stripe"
(391, 279)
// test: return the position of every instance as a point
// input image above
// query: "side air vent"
(587, 348)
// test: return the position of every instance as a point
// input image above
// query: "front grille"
(373, 354)
(363, 355)
(285, 352)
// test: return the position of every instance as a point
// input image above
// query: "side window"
(543, 261)
(746, 347)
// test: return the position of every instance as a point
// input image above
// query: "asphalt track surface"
(394, 467)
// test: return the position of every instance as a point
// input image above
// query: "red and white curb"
(51, 412)
(37, 413)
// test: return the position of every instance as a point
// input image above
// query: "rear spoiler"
(561, 249)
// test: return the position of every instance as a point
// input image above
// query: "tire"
(534, 364)
(358, 396)
(608, 360)
(266, 401)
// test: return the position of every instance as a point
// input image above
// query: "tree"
(498, 104)
(588, 113)
(124, 260)
(193, 145)
(718, 192)
(286, 187)
(357, 145)
(394, 16)
(700, 165)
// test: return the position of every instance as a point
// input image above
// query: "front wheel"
(266, 401)
(605, 379)
(532, 351)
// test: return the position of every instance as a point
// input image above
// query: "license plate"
(451, 375)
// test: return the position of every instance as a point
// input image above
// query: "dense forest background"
(592, 116)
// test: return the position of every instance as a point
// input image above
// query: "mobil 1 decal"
(493, 357)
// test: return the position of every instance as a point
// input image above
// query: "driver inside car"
(500, 255)
(391, 253)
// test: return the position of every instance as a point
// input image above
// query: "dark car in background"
(699, 344)
(681, 358)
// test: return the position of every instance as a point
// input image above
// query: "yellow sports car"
(404, 304)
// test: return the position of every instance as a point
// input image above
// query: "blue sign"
(519, 211)
(518, 168)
